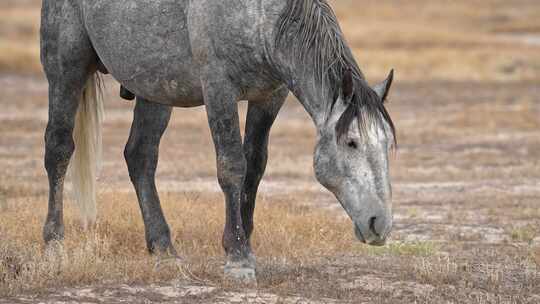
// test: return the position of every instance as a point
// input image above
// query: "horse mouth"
(372, 242)
(358, 234)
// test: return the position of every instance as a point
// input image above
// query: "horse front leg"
(222, 111)
(260, 118)
(141, 153)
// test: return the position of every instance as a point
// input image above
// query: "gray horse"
(181, 53)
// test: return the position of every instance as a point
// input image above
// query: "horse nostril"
(372, 221)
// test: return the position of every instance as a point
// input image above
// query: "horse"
(181, 53)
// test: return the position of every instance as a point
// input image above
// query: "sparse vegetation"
(286, 236)
(524, 234)
(418, 248)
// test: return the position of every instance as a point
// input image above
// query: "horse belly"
(145, 46)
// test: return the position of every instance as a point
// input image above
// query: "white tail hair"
(86, 161)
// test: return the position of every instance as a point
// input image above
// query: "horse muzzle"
(373, 231)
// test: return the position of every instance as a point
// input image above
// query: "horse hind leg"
(149, 123)
(69, 61)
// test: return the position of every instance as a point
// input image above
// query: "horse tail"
(86, 161)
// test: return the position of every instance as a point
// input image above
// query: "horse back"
(157, 48)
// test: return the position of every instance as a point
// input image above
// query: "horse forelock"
(310, 30)
(367, 107)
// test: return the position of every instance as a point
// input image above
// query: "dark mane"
(309, 28)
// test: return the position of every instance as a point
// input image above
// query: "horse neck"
(308, 43)
(313, 96)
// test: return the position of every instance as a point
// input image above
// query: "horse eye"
(352, 144)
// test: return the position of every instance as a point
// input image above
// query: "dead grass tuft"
(535, 253)
(443, 270)
(524, 234)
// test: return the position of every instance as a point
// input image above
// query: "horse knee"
(231, 172)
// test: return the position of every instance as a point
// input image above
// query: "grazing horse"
(180, 53)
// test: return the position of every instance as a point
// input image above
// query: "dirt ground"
(466, 180)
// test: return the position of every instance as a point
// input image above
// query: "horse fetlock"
(53, 231)
(235, 243)
(160, 243)
(162, 247)
(241, 255)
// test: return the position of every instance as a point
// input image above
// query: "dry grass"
(287, 236)
(300, 251)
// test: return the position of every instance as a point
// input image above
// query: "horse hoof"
(238, 271)
(54, 249)
(166, 262)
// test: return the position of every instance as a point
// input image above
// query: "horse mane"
(310, 30)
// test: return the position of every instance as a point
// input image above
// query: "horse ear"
(383, 88)
(347, 85)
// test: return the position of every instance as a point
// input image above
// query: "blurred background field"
(466, 177)
(423, 40)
